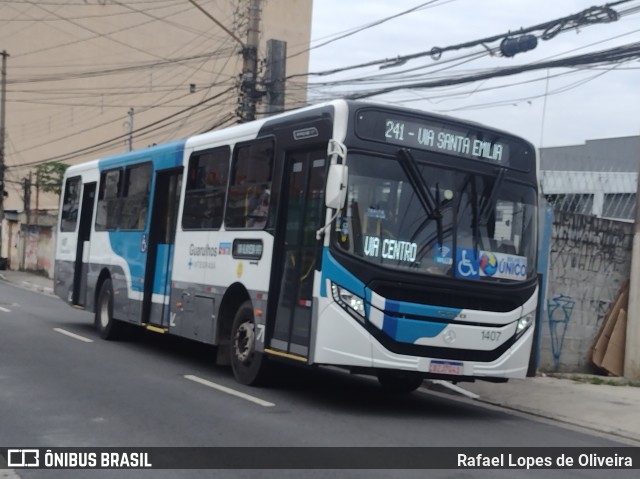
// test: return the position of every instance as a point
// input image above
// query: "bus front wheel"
(399, 381)
(107, 326)
(249, 366)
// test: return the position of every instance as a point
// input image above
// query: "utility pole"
(3, 103)
(27, 198)
(247, 108)
(130, 123)
(274, 75)
(37, 210)
(25, 227)
(248, 78)
(632, 346)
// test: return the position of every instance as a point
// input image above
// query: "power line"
(513, 101)
(589, 16)
(217, 22)
(95, 127)
(367, 26)
(116, 70)
(624, 53)
(387, 79)
(82, 17)
(90, 149)
(95, 36)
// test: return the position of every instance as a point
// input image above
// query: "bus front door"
(82, 248)
(162, 232)
(299, 251)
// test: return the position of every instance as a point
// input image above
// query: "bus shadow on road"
(327, 388)
(330, 388)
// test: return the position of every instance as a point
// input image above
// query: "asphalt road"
(62, 386)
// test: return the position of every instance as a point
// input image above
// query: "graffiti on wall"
(590, 259)
(588, 263)
(559, 310)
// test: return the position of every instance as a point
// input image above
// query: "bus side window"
(70, 205)
(206, 188)
(250, 188)
(109, 202)
(135, 201)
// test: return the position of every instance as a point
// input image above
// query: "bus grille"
(434, 296)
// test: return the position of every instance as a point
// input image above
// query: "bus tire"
(108, 327)
(399, 381)
(249, 366)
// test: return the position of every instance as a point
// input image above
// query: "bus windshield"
(408, 215)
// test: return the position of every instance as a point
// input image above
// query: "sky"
(555, 107)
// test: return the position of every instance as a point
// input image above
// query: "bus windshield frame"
(416, 212)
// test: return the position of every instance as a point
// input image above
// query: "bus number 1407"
(490, 335)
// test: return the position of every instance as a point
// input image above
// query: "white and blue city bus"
(383, 240)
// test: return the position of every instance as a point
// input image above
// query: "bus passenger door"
(162, 232)
(82, 248)
(298, 250)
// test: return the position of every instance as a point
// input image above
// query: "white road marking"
(454, 388)
(73, 335)
(230, 391)
(5, 309)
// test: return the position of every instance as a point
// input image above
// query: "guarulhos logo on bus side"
(202, 257)
(202, 250)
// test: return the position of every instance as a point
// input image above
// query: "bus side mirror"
(336, 191)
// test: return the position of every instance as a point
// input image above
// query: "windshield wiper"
(489, 205)
(475, 222)
(408, 164)
(428, 202)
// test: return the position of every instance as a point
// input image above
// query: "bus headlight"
(350, 302)
(524, 322)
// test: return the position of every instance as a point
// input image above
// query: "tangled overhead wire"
(590, 16)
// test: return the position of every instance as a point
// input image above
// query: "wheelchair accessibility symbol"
(466, 265)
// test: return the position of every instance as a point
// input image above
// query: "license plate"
(453, 368)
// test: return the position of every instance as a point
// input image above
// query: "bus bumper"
(343, 341)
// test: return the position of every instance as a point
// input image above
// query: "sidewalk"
(600, 407)
(28, 280)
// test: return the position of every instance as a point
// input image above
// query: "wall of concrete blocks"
(589, 261)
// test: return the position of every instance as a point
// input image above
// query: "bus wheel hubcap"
(244, 342)
(104, 312)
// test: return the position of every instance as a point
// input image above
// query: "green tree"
(50, 176)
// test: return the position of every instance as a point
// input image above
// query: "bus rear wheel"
(399, 381)
(108, 327)
(249, 366)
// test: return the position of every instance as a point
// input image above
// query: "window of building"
(572, 203)
(70, 204)
(250, 188)
(205, 190)
(619, 205)
(135, 201)
(109, 204)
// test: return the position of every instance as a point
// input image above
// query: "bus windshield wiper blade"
(428, 202)
(489, 204)
(408, 164)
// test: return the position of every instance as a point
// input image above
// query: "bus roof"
(250, 130)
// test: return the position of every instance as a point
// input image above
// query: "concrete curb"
(36, 287)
